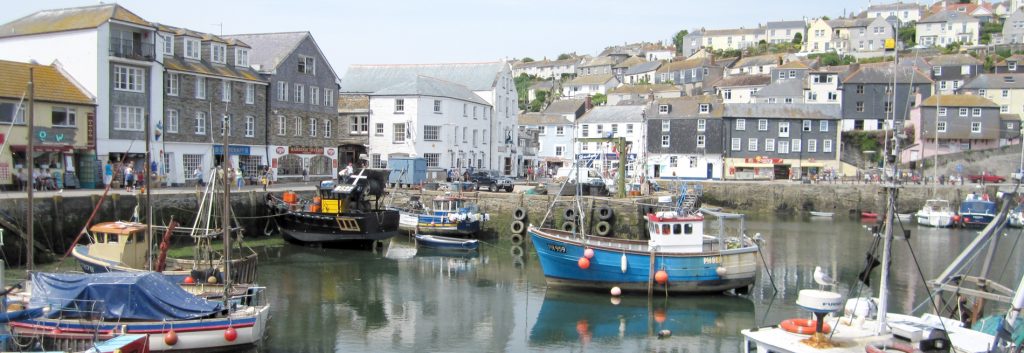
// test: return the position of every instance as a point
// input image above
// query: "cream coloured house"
(948, 27)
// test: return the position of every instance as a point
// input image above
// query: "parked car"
(986, 177)
(491, 181)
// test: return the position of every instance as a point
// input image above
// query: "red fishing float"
(584, 263)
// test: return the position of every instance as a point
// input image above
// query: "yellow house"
(64, 131)
(1006, 90)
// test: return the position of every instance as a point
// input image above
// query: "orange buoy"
(230, 334)
(584, 263)
(661, 276)
(189, 280)
(171, 338)
(659, 315)
(803, 326)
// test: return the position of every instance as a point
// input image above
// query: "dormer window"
(663, 109)
(242, 57)
(705, 108)
(168, 43)
(1011, 65)
(937, 70)
(192, 48)
(218, 53)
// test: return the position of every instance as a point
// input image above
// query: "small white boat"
(906, 217)
(936, 213)
(440, 242)
(821, 214)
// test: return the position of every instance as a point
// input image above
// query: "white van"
(570, 174)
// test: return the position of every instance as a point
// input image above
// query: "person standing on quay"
(108, 174)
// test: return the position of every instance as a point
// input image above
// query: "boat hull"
(703, 272)
(193, 335)
(242, 270)
(976, 220)
(447, 243)
(322, 228)
(442, 225)
(938, 220)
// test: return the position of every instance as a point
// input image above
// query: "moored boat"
(440, 242)
(679, 256)
(451, 215)
(977, 211)
(344, 214)
(936, 213)
(868, 215)
(821, 214)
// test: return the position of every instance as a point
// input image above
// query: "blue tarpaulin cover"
(117, 295)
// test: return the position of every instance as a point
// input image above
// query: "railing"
(131, 49)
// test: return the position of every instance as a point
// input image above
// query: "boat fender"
(661, 276)
(584, 263)
(604, 213)
(230, 334)
(517, 239)
(883, 347)
(603, 228)
(519, 214)
(569, 227)
(623, 263)
(588, 253)
(487, 216)
(569, 213)
(517, 251)
(517, 227)
(803, 326)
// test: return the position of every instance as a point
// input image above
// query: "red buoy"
(189, 280)
(661, 276)
(230, 334)
(584, 263)
(171, 338)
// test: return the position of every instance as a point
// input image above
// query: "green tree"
(678, 40)
(832, 59)
(907, 35)
(564, 56)
(989, 64)
(523, 82)
(599, 99)
(987, 29)
(951, 48)
(528, 59)
(798, 38)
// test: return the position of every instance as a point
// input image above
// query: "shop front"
(242, 158)
(302, 162)
(755, 168)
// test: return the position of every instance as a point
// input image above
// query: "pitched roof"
(785, 24)
(270, 49)
(683, 65)
(178, 31)
(544, 85)
(641, 89)
(204, 67)
(565, 106)
(614, 114)
(631, 61)
(850, 22)
(432, 87)
(783, 88)
(733, 32)
(70, 19)
(591, 80)
(767, 59)
(688, 107)
(784, 111)
(954, 59)
(743, 80)
(1015, 57)
(51, 84)
(795, 64)
(370, 78)
(643, 67)
(598, 61)
(883, 73)
(534, 118)
(945, 16)
(996, 81)
(546, 63)
(959, 100)
(896, 5)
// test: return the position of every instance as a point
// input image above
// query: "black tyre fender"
(517, 227)
(570, 213)
(605, 213)
(569, 227)
(603, 228)
(519, 214)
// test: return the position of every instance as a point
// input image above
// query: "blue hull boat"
(977, 212)
(439, 242)
(451, 215)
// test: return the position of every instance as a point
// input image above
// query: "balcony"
(131, 49)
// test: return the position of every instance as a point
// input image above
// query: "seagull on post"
(822, 278)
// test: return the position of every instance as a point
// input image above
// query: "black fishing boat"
(347, 213)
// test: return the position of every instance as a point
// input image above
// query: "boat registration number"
(712, 260)
(556, 248)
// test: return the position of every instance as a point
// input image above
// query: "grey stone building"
(780, 141)
(1012, 65)
(1013, 28)
(952, 70)
(868, 94)
(684, 138)
(301, 129)
(353, 128)
(208, 83)
(695, 75)
(965, 122)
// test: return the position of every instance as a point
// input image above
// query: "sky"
(448, 31)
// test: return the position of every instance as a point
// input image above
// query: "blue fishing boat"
(977, 211)
(439, 242)
(678, 257)
(451, 215)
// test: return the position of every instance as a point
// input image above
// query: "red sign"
(763, 160)
(273, 162)
(2, 138)
(305, 150)
(330, 151)
(280, 150)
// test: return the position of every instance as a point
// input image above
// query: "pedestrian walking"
(108, 174)
(129, 177)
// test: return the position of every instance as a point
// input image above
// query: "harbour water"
(400, 299)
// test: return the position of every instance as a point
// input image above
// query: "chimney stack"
(588, 104)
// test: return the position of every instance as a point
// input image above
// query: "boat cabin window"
(687, 228)
(666, 229)
(677, 228)
(112, 238)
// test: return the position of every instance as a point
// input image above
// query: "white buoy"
(623, 265)
(721, 271)
(616, 291)
(664, 334)
(616, 300)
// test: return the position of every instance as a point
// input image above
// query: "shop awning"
(43, 148)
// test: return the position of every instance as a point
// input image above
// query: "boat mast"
(935, 164)
(225, 217)
(31, 161)
(890, 202)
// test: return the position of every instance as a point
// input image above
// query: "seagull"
(822, 278)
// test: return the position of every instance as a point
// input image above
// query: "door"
(657, 170)
(508, 166)
(711, 170)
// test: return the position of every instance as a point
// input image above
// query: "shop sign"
(305, 150)
(762, 160)
(47, 135)
(232, 150)
(280, 150)
(90, 130)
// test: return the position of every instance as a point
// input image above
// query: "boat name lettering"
(712, 260)
(557, 248)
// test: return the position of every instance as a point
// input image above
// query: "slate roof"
(784, 111)
(431, 87)
(70, 19)
(643, 89)
(733, 32)
(545, 85)
(269, 49)
(175, 63)
(684, 65)
(896, 5)
(687, 107)
(178, 31)
(614, 114)
(882, 73)
(743, 80)
(643, 67)
(785, 24)
(996, 81)
(959, 100)
(631, 61)
(534, 118)
(591, 80)
(564, 106)
(795, 64)
(850, 22)
(598, 61)
(51, 85)
(783, 88)
(1015, 57)
(954, 59)
(370, 78)
(768, 59)
(945, 16)
(547, 63)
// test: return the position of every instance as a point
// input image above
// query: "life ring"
(604, 213)
(882, 348)
(803, 326)
(603, 228)
(517, 227)
(517, 251)
(519, 214)
(569, 227)
(570, 213)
